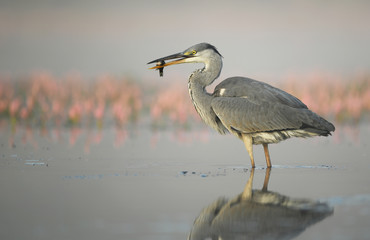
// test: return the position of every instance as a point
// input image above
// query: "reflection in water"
(92, 136)
(257, 214)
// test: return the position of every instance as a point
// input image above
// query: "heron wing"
(250, 106)
(249, 116)
(255, 91)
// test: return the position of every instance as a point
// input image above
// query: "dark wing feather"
(248, 116)
(256, 91)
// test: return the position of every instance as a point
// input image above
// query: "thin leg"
(267, 178)
(247, 192)
(247, 139)
(267, 155)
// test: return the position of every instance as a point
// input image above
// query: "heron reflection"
(257, 214)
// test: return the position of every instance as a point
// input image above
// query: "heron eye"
(193, 52)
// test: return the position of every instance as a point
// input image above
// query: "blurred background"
(94, 145)
(67, 63)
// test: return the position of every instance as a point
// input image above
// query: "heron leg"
(247, 192)
(267, 154)
(267, 178)
(247, 139)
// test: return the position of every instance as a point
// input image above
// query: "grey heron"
(254, 111)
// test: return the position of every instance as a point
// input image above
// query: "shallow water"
(139, 184)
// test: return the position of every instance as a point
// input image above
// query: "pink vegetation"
(43, 99)
(173, 102)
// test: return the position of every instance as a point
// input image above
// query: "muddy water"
(139, 184)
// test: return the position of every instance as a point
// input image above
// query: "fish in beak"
(160, 62)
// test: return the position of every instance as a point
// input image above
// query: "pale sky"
(256, 38)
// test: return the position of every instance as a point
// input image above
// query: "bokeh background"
(94, 145)
(66, 63)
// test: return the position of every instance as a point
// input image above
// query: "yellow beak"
(169, 63)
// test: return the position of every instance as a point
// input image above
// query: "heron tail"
(312, 122)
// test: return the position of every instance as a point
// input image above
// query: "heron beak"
(161, 61)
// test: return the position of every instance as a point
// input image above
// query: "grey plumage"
(280, 114)
(256, 112)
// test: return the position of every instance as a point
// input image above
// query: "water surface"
(139, 184)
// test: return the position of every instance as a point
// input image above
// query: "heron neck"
(201, 78)
(201, 101)
(200, 97)
(210, 72)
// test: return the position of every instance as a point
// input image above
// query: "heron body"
(254, 111)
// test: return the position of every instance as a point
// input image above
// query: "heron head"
(199, 53)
